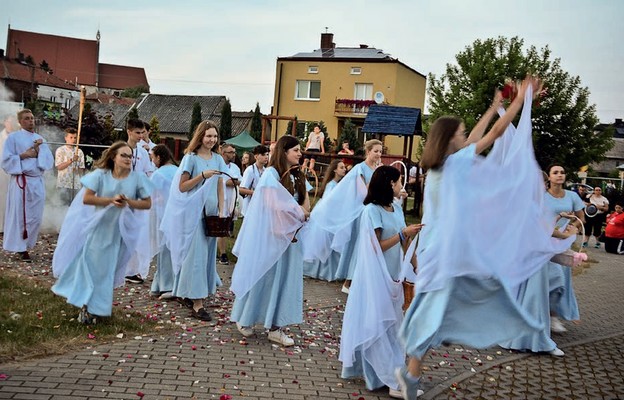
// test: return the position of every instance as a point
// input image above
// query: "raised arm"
(479, 129)
(516, 105)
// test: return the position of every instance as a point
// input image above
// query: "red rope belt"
(23, 187)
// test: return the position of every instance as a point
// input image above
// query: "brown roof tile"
(121, 77)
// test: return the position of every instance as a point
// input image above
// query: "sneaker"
(244, 330)
(84, 317)
(584, 244)
(224, 260)
(556, 325)
(344, 289)
(166, 296)
(597, 245)
(557, 352)
(395, 393)
(408, 384)
(25, 256)
(201, 314)
(278, 336)
(135, 279)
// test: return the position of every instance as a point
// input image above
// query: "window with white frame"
(313, 69)
(356, 70)
(308, 90)
(363, 91)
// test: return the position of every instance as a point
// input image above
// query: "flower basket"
(216, 226)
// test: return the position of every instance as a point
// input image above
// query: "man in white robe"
(25, 157)
(10, 125)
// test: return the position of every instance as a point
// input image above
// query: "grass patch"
(34, 322)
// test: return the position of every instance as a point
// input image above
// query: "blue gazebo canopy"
(392, 120)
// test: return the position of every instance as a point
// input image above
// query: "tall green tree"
(256, 124)
(155, 129)
(196, 118)
(225, 130)
(349, 134)
(133, 113)
(134, 92)
(563, 121)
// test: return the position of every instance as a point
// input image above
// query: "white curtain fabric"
(489, 215)
(331, 220)
(373, 313)
(183, 213)
(271, 221)
(80, 221)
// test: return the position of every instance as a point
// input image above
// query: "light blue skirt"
(562, 297)
(164, 279)
(533, 298)
(276, 300)
(361, 368)
(322, 270)
(89, 279)
(198, 275)
(348, 258)
(473, 312)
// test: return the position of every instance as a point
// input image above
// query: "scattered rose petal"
(140, 394)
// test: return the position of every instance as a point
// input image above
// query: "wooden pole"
(82, 103)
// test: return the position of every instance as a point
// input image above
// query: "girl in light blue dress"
(100, 233)
(164, 278)
(268, 277)
(363, 171)
(370, 345)
(195, 262)
(533, 294)
(483, 235)
(327, 270)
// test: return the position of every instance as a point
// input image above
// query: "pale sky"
(204, 47)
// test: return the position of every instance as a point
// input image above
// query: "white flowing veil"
(183, 213)
(272, 219)
(162, 186)
(331, 220)
(80, 221)
(373, 312)
(490, 219)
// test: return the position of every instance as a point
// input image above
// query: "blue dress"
(347, 262)
(562, 297)
(390, 223)
(164, 277)
(323, 270)
(89, 279)
(198, 275)
(276, 299)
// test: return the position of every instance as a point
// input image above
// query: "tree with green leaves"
(563, 119)
(349, 134)
(300, 130)
(225, 129)
(134, 92)
(256, 124)
(196, 118)
(155, 129)
(133, 113)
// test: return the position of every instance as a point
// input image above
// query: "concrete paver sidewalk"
(213, 361)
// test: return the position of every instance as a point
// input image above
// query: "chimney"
(363, 46)
(618, 121)
(327, 41)
(1, 53)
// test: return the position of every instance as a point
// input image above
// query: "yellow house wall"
(400, 86)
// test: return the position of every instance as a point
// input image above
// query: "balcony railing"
(352, 106)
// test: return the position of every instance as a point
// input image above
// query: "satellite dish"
(379, 97)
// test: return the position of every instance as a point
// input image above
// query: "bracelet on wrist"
(401, 237)
(203, 175)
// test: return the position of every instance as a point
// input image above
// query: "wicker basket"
(408, 294)
(570, 258)
(215, 226)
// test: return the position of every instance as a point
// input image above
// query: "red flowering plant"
(354, 102)
(510, 90)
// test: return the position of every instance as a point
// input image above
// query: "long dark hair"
(329, 175)
(438, 139)
(380, 190)
(164, 154)
(285, 171)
